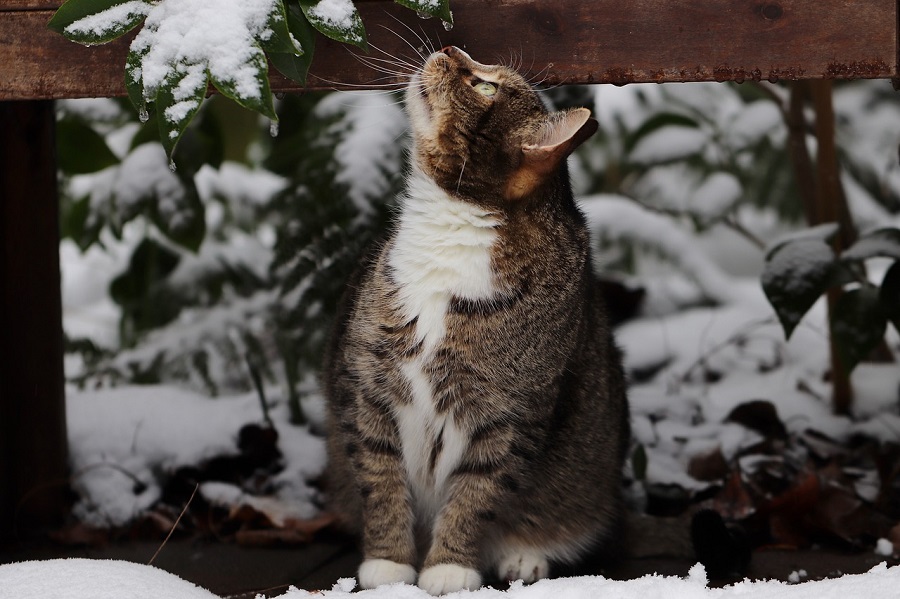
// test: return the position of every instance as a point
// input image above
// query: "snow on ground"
(94, 579)
(138, 434)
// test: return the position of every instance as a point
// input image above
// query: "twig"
(174, 526)
(735, 225)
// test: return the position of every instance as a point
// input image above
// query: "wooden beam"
(33, 447)
(557, 41)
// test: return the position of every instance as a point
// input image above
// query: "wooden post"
(33, 445)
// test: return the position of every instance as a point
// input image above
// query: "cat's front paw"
(448, 578)
(527, 566)
(376, 572)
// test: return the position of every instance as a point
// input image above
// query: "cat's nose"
(449, 50)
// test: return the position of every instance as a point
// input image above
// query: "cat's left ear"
(558, 137)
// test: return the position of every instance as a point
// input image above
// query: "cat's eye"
(485, 88)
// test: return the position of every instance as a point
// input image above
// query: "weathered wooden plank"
(559, 41)
(17, 5)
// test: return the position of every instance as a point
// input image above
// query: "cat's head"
(481, 132)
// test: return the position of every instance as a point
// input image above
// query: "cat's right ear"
(558, 137)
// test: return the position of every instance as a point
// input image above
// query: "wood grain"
(557, 41)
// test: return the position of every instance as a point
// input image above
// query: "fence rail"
(559, 41)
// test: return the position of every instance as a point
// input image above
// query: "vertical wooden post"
(832, 207)
(33, 444)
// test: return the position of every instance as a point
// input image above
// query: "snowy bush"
(238, 257)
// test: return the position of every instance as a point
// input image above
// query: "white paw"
(527, 566)
(448, 578)
(376, 572)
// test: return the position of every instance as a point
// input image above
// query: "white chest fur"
(441, 250)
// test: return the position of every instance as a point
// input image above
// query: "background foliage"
(230, 266)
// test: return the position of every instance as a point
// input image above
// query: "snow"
(93, 579)
(794, 266)
(884, 547)
(669, 143)
(375, 120)
(885, 243)
(106, 21)
(122, 438)
(90, 579)
(335, 13)
(616, 218)
(796, 576)
(217, 36)
(144, 172)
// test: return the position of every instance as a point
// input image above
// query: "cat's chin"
(448, 578)
(376, 572)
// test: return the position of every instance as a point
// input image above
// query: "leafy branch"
(799, 271)
(186, 45)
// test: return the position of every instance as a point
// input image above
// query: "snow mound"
(95, 579)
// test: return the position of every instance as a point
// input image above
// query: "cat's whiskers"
(424, 41)
(542, 74)
(397, 60)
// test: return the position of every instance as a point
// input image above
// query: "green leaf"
(202, 143)
(76, 223)
(177, 101)
(344, 25)
(890, 295)
(281, 40)
(857, 324)
(432, 8)
(81, 20)
(80, 149)
(292, 66)
(796, 274)
(883, 243)
(260, 99)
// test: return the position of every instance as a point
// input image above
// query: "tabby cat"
(476, 402)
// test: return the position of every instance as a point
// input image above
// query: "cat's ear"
(558, 137)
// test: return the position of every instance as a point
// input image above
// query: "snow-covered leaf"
(98, 21)
(134, 81)
(431, 8)
(218, 37)
(656, 122)
(673, 142)
(796, 274)
(289, 64)
(146, 185)
(337, 19)
(890, 295)
(880, 243)
(258, 96)
(178, 100)
(715, 197)
(824, 233)
(280, 38)
(857, 324)
(753, 122)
